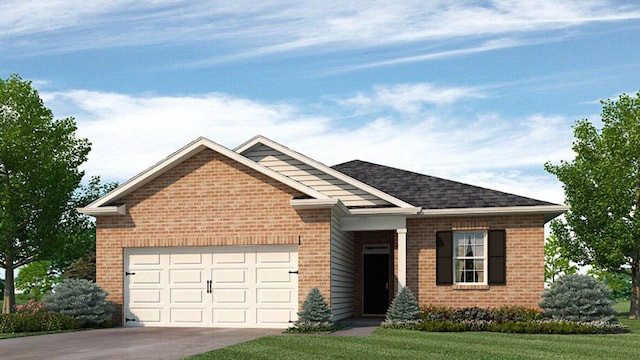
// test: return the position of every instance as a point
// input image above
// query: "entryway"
(375, 284)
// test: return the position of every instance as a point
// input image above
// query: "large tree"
(39, 160)
(602, 188)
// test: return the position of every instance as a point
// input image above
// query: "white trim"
(550, 211)
(188, 151)
(372, 223)
(485, 258)
(402, 258)
(259, 139)
(381, 211)
(104, 210)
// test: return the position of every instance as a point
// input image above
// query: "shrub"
(501, 314)
(81, 299)
(578, 298)
(316, 316)
(32, 317)
(404, 308)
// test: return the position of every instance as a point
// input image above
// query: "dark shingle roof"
(430, 192)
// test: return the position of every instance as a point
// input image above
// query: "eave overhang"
(549, 211)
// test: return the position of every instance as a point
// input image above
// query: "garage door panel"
(145, 277)
(230, 258)
(222, 316)
(273, 275)
(144, 259)
(274, 296)
(179, 276)
(187, 296)
(185, 259)
(269, 257)
(229, 296)
(146, 316)
(230, 276)
(272, 316)
(188, 315)
(145, 296)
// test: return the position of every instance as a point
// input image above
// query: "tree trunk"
(634, 311)
(9, 290)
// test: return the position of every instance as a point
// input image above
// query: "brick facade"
(212, 200)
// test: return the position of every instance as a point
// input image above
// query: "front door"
(375, 280)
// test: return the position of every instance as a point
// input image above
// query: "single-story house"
(217, 237)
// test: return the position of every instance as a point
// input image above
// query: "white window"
(470, 257)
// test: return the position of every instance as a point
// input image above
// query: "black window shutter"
(497, 254)
(444, 258)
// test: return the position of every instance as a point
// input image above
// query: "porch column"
(402, 258)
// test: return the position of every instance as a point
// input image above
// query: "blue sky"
(483, 92)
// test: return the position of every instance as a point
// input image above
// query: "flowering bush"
(33, 316)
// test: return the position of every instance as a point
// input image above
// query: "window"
(469, 257)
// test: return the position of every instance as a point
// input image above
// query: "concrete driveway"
(127, 343)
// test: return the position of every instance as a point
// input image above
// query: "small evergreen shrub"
(404, 308)
(82, 300)
(578, 298)
(316, 316)
(501, 314)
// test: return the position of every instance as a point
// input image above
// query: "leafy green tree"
(37, 278)
(82, 268)
(78, 230)
(39, 160)
(619, 283)
(602, 187)
(555, 263)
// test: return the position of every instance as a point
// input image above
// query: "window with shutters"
(476, 257)
(469, 257)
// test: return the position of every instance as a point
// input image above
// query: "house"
(217, 237)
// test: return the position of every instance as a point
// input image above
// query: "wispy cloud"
(130, 133)
(248, 29)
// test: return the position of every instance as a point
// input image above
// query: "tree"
(78, 230)
(39, 160)
(555, 263)
(602, 188)
(37, 278)
(404, 308)
(619, 283)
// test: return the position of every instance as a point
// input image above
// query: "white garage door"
(221, 286)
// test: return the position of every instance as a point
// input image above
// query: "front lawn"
(407, 344)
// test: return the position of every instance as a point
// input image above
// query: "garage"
(217, 286)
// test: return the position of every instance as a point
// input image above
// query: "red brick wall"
(524, 262)
(210, 199)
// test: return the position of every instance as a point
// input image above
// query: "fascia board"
(550, 211)
(188, 151)
(322, 167)
(104, 210)
(320, 204)
(391, 211)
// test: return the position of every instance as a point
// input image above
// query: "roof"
(430, 192)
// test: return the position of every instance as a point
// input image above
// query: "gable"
(313, 177)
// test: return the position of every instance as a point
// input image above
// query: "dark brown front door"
(375, 283)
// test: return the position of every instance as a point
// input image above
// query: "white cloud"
(247, 28)
(131, 133)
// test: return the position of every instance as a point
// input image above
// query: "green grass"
(405, 344)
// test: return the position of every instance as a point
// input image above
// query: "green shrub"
(578, 298)
(82, 300)
(316, 316)
(404, 308)
(32, 317)
(501, 314)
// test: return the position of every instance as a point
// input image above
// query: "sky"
(481, 92)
